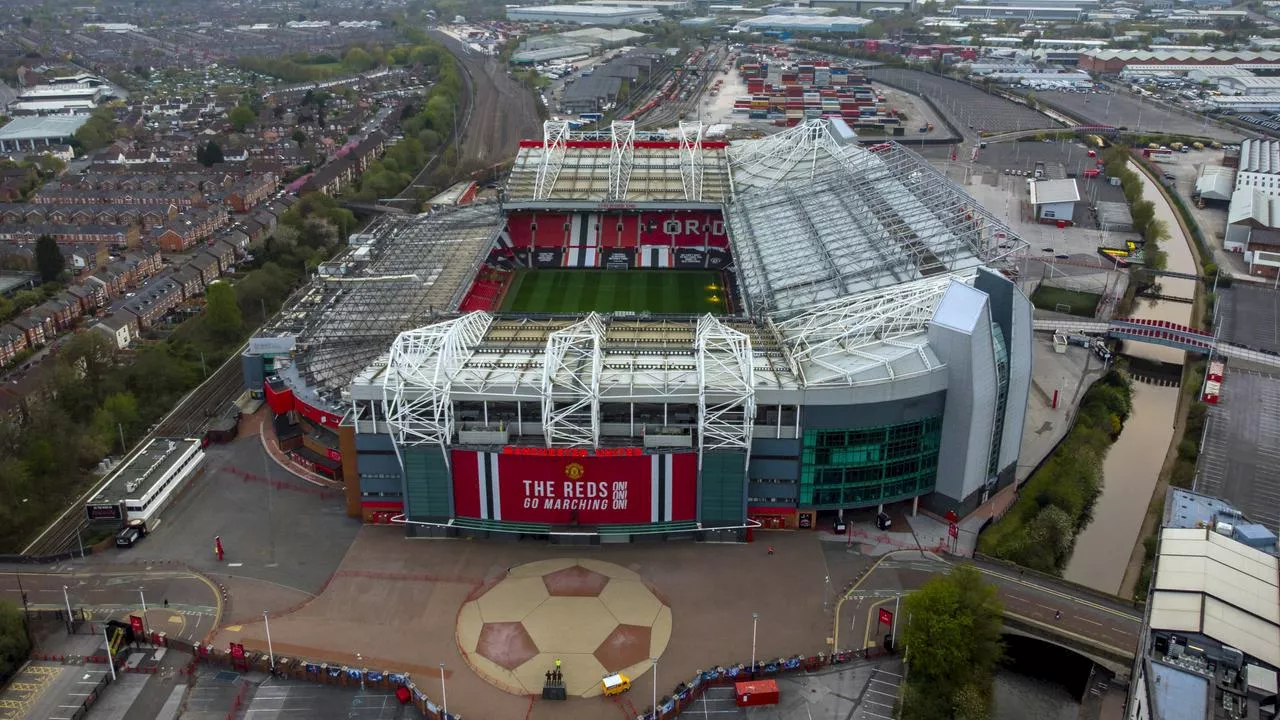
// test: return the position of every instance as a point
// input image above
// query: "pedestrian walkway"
(257, 424)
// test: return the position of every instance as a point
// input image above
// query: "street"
(194, 605)
(1034, 598)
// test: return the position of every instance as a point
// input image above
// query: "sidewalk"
(256, 424)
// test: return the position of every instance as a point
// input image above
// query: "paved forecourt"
(412, 604)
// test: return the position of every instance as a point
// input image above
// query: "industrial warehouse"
(665, 336)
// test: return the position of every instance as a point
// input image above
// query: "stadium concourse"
(665, 336)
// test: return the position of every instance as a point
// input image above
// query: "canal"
(1132, 465)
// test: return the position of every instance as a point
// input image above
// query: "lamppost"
(655, 688)
(67, 598)
(144, 611)
(271, 653)
(755, 620)
(444, 694)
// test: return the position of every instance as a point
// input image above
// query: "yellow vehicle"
(615, 684)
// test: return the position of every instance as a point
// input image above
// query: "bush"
(1057, 501)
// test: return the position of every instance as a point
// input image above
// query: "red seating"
(702, 228)
(695, 228)
(528, 229)
(487, 290)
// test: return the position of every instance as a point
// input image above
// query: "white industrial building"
(804, 23)
(582, 14)
(1054, 200)
(1251, 86)
(657, 5)
(140, 488)
(1247, 103)
(857, 7)
(27, 134)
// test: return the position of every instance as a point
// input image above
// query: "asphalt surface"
(274, 526)
(1034, 598)
(1240, 461)
(1249, 315)
(113, 593)
(1124, 109)
(965, 104)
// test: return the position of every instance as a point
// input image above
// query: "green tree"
(299, 136)
(49, 260)
(222, 312)
(241, 116)
(14, 646)
(209, 154)
(951, 642)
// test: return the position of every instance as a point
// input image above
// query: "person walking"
(1057, 614)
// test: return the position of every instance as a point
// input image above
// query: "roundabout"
(595, 617)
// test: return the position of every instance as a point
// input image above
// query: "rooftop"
(137, 478)
(602, 11)
(1209, 584)
(1261, 156)
(39, 128)
(1048, 192)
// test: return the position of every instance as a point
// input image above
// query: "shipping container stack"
(788, 94)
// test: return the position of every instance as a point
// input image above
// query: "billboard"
(617, 258)
(587, 489)
(547, 257)
(104, 511)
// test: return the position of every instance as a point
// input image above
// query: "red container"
(756, 692)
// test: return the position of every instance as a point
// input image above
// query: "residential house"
(245, 195)
(90, 296)
(71, 234)
(86, 257)
(12, 342)
(36, 331)
(206, 265)
(222, 251)
(121, 327)
(190, 280)
(153, 302)
(237, 239)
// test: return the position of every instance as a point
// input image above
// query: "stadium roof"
(41, 128)
(568, 168)
(1210, 584)
(399, 274)
(817, 218)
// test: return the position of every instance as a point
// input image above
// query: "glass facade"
(868, 466)
(1002, 397)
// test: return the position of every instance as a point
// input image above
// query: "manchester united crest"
(574, 471)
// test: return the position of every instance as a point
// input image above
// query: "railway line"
(679, 98)
(187, 419)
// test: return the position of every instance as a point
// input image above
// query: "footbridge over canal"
(1160, 332)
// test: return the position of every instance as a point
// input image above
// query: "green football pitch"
(664, 292)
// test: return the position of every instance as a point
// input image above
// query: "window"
(867, 466)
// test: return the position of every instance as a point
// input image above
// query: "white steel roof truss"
(726, 386)
(555, 133)
(571, 384)
(621, 157)
(420, 372)
(691, 160)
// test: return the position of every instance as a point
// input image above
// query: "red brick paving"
(506, 643)
(575, 581)
(625, 646)
(712, 590)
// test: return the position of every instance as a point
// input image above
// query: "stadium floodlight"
(726, 386)
(621, 157)
(423, 362)
(691, 160)
(571, 383)
(555, 136)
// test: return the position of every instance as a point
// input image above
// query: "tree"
(299, 136)
(14, 646)
(49, 260)
(209, 154)
(241, 116)
(951, 641)
(222, 312)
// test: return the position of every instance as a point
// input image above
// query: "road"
(194, 607)
(1029, 597)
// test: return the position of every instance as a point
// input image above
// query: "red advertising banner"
(237, 651)
(886, 617)
(593, 490)
(333, 454)
(135, 622)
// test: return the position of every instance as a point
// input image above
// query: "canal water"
(1133, 463)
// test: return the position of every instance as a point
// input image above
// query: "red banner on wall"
(617, 489)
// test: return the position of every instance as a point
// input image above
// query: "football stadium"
(663, 336)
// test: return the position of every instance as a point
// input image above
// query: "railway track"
(692, 88)
(186, 419)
